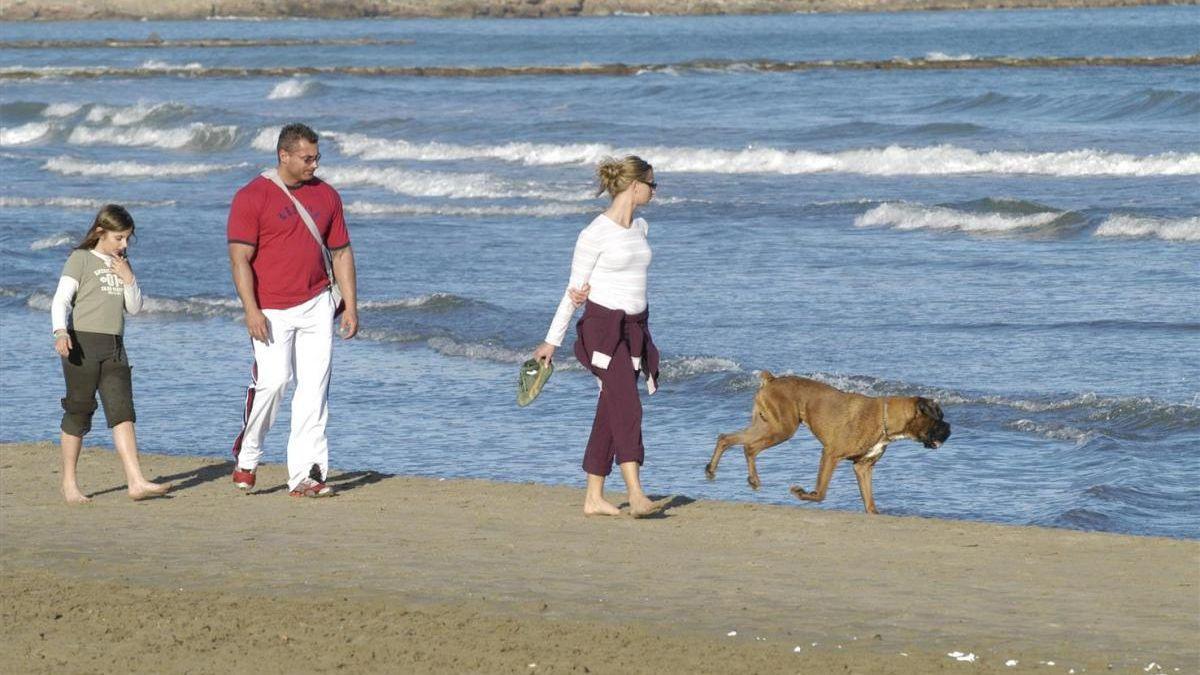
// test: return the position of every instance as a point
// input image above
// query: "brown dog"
(849, 426)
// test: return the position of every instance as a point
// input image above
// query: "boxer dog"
(849, 426)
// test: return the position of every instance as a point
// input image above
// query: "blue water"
(1021, 244)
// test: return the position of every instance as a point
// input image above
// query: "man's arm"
(240, 256)
(343, 273)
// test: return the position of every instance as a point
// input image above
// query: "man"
(280, 273)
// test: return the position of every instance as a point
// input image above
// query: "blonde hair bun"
(616, 175)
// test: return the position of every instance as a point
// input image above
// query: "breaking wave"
(72, 202)
(889, 161)
(1016, 218)
(294, 88)
(533, 211)
(24, 134)
(70, 166)
(195, 136)
(1178, 229)
(442, 184)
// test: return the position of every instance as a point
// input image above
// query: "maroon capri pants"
(617, 428)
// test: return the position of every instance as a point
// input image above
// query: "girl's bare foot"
(147, 490)
(74, 496)
(599, 507)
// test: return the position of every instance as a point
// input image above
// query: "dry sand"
(422, 575)
(20, 10)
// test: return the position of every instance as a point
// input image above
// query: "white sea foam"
(293, 88)
(62, 109)
(72, 202)
(266, 139)
(70, 166)
(413, 302)
(911, 216)
(689, 366)
(53, 241)
(942, 56)
(154, 64)
(124, 116)
(1180, 229)
(533, 211)
(483, 352)
(370, 148)
(196, 135)
(440, 184)
(24, 134)
(890, 161)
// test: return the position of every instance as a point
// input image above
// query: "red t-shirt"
(288, 264)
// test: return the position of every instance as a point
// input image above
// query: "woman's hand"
(544, 352)
(62, 345)
(579, 295)
(120, 267)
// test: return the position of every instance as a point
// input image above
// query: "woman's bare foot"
(599, 507)
(642, 506)
(74, 496)
(147, 490)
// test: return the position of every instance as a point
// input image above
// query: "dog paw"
(708, 472)
(798, 491)
(754, 484)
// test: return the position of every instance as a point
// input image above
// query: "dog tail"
(765, 376)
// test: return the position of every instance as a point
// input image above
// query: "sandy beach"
(24, 10)
(402, 574)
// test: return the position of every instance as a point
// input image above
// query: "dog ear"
(929, 408)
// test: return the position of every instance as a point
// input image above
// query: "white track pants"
(300, 349)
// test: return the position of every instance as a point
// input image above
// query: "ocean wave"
(428, 301)
(1170, 229)
(532, 211)
(1055, 431)
(123, 116)
(294, 88)
(208, 43)
(266, 139)
(54, 241)
(941, 56)
(889, 161)
(914, 216)
(25, 134)
(194, 136)
(154, 68)
(62, 109)
(1133, 105)
(70, 166)
(73, 202)
(442, 184)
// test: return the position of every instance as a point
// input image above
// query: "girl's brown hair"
(616, 175)
(112, 217)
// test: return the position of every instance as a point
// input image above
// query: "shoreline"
(63, 10)
(429, 575)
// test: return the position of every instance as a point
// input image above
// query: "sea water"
(853, 198)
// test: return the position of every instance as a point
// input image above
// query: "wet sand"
(401, 574)
(24, 10)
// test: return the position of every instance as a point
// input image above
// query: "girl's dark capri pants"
(97, 362)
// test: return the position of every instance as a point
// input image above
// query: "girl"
(88, 315)
(613, 337)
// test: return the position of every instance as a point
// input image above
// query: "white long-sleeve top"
(614, 260)
(64, 297)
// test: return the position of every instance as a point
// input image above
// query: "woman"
(613, 337)
(95, 291)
